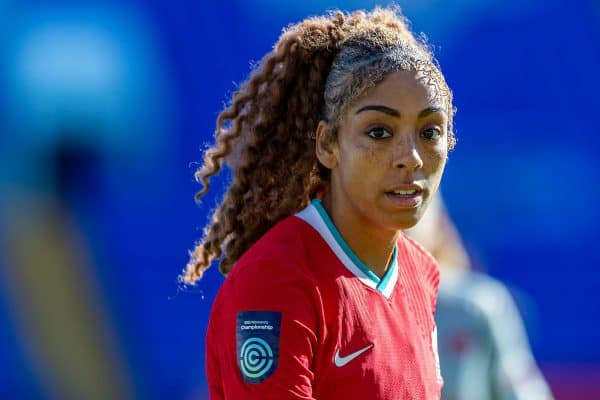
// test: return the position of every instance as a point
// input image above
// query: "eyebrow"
(380, 108)
(431, 110)
(395, 113)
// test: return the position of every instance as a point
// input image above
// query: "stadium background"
(106, 106)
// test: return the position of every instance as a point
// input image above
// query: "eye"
(432, 133)
(379, 133)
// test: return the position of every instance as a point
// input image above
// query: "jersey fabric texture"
(483, 345)
(301, 317)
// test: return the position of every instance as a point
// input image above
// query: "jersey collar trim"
(316, 216)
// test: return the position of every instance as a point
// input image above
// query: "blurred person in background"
(483, 346)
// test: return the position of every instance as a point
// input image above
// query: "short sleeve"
(262, 334)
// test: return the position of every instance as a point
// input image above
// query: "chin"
(406, 221)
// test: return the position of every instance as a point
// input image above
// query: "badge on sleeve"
(257, 335)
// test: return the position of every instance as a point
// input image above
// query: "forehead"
(407, 90)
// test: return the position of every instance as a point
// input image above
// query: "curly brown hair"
(316, 69)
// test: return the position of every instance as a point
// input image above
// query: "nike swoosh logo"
(341, 361)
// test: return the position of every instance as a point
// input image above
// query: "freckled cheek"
(434, 159)
(364, 154)
(375, 154)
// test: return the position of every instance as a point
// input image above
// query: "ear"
(326, 146)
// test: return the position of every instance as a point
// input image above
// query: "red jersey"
(301, 317)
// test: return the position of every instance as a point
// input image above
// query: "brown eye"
(379, 133)
(433, 133)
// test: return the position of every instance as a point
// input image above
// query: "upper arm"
(262, 336)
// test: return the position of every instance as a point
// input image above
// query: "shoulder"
(425, 263)
(273, 270)
(482, 293)
(421, 265)
(284, 249)
(489, 294)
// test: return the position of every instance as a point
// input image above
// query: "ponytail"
(266, 137)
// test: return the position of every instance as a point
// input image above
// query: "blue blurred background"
(105, 108)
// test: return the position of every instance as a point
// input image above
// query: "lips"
(405, 195)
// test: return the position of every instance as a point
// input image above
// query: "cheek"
(435, 158)
(377, 154)
(370, 156)
(362, 156)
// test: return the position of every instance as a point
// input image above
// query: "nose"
(407, 156)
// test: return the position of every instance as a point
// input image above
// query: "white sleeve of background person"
(515, 373)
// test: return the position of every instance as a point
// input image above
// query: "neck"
(373, 246)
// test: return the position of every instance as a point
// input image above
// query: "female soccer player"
(337, 142)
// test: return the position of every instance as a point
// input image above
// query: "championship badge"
(257, 335)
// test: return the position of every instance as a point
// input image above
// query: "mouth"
(404, 193)
(405, 196)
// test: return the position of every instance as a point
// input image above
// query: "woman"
(337, 142)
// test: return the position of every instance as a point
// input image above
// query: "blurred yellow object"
(55, 304)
